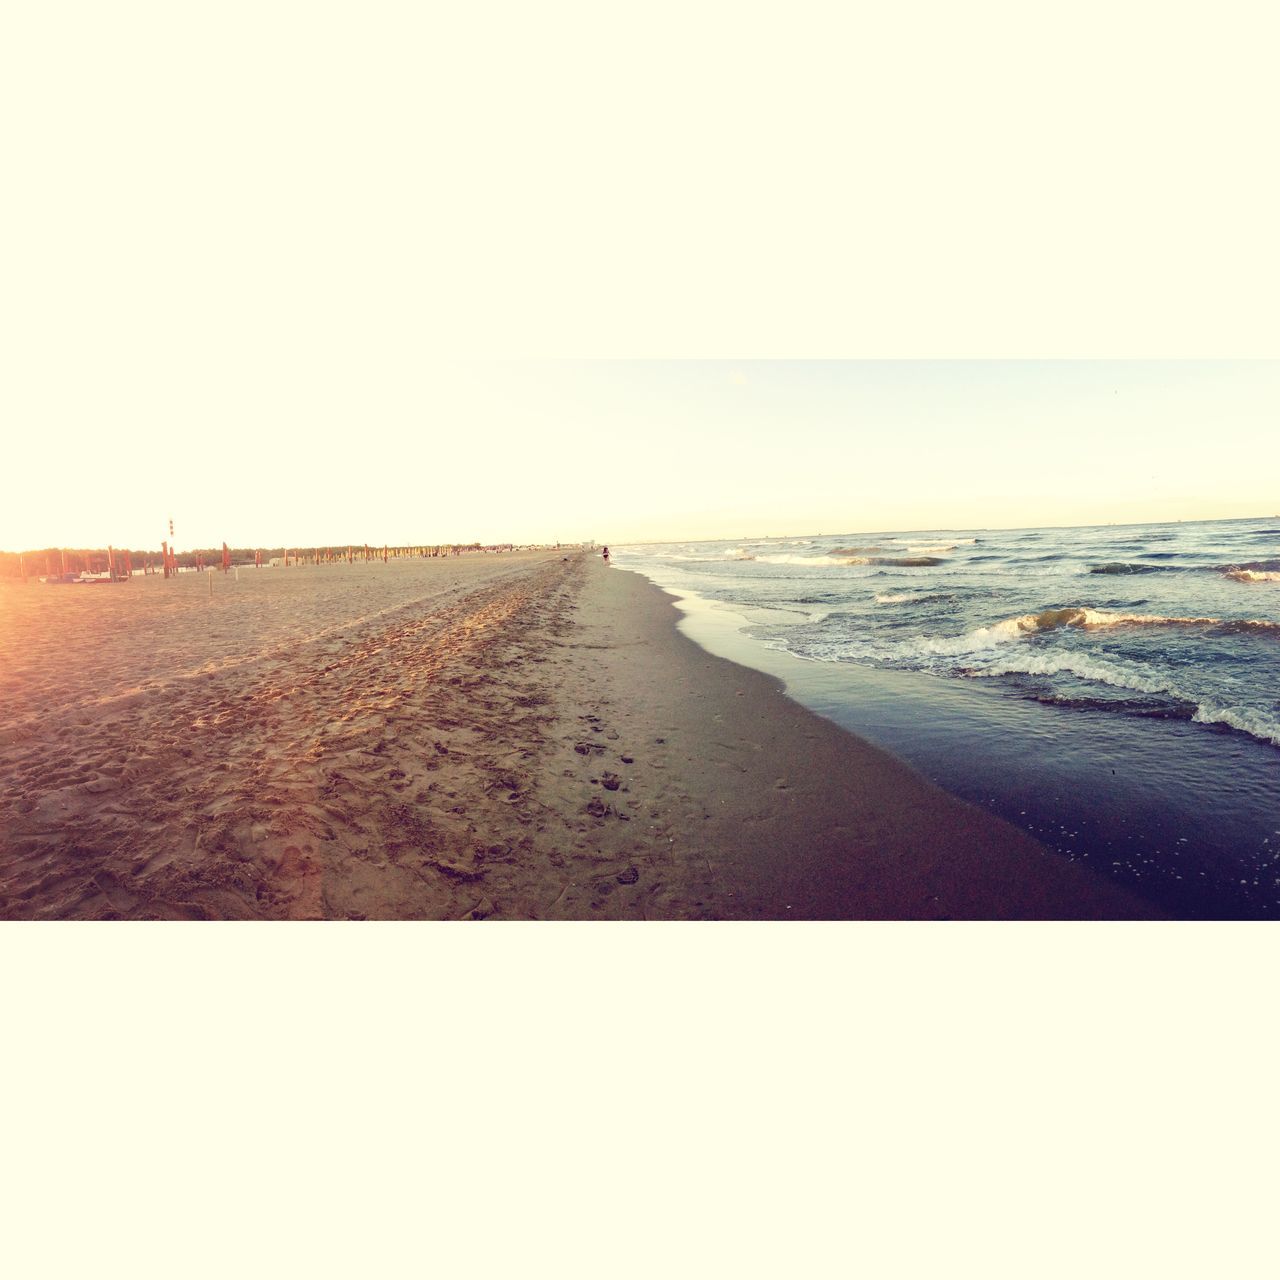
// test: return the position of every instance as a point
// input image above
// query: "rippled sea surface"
(1151, 649)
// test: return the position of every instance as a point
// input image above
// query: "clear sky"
(621, 451)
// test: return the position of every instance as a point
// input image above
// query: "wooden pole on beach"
(164, 552)
(226, 558)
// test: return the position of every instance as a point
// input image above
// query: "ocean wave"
(1009, 629)
(940, 549)
(1245, 719)
(902, 562)
(1253, 575)
(831, 561)
(901, 597)
(1083, 667)
(814, 562)
(853, 551)
(1254, 566)
(1103, 618)
(1122, 567)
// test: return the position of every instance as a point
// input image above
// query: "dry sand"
(518, 736)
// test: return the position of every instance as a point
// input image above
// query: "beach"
(1109, 690)
(517, 736)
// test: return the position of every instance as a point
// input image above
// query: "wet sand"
(523, 736)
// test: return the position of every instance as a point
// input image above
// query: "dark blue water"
(1115, 690)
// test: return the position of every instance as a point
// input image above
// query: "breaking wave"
(832, 561)
(1121, 567)
(1253, 575)
(902, 562)
(1098, 671)
(939, 548)
(1051, 619)
(813, 562)
(1242, 718)
(1082, 667)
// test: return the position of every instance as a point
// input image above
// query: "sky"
(620, 451)
(244, 238)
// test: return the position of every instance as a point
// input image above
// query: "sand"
(523, 736)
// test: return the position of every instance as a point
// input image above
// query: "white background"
(663, 180)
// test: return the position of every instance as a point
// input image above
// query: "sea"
(1114, 690)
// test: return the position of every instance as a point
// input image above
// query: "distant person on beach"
(605, 555)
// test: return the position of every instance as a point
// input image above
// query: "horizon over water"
(1114, 689)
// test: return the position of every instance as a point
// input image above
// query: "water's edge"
(1094, 805)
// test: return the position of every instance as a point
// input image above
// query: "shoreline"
(813, 821)
(1093, 788)
(531, 737)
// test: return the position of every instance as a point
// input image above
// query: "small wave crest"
(832, 561)
(1253, 575)
(1009, 629)
(903, 562)
(938, 548)
(813, 562)
(1082, 667)
(1119, 567)
(1243, 718)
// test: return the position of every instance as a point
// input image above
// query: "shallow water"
(1115, 690)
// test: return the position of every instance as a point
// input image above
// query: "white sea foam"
(1245, 719)
(1010, 629)
(972, 641)
(901, 597)
(1083, 667)
(813, 561)
(1252, 575)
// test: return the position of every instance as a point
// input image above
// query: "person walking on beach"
(605, 555)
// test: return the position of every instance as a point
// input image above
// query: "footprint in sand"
(300, 875)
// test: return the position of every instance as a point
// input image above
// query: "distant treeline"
(44, 561)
